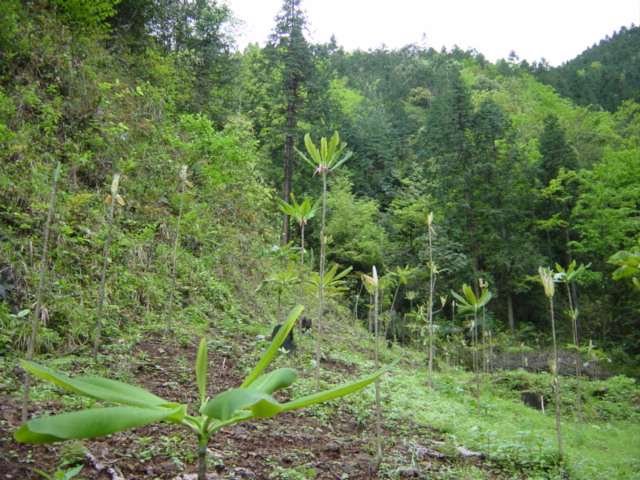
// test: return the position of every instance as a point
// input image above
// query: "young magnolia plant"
(137, 407)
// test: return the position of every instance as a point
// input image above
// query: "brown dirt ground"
(342, 446)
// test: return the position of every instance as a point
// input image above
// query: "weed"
(61, 474)
(296, 473)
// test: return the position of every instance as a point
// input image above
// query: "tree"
(555, 150)
(193, 34)
(605, 214)
(289, 54)
(449, 131)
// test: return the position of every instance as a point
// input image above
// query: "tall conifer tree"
(290, 52)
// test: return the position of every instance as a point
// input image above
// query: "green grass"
(516, 440)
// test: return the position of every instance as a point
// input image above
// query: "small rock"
(428, 452)
(468, 453)
(333, 447)
(245, 472)
(350, 470)
(410, 472)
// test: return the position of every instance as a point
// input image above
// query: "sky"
(556, 30)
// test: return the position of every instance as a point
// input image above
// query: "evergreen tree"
(289, 53)
(557, 197)
(450, 141)
(555, 150)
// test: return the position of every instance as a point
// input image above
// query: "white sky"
(557, 30)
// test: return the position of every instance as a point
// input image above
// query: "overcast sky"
(557, 30)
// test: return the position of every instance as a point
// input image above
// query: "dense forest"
(146, 164)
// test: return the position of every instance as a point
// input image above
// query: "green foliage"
(353, 227)
(604, 212)
(470, 301)
(330, 156)
(87, 15)
(332, 281)
(602, 75)
(62, 474)
(628, 264)
(283, 280)
(301, 212)
(516, 175)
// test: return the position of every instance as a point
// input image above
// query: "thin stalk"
(377, 363)
(176, 241)
(484, 341)
(475, 358)
(321, 283)
(574, 326)
(432, 284)
(112, 199)
(556, 383)
(300, 284)
(103, 279)
(31, 346)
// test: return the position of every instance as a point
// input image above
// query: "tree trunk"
(512, 320)
(286, 186)
(288, 159)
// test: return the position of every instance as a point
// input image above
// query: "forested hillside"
(145, 159)
(603, 76)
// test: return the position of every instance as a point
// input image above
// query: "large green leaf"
(93, 423)
(461, 300)
(98, 388)
(275, 380)
(328, 158)
(484, 298)
(273, 348)
(224, 406)
(628, 263)
(469, 294)
(337, 392)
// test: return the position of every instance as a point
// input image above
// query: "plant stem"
(175, 256)
(38, 310)
(300, 286)
(377, 363)
(202, 458)
(103, 278)
(574, 327)
(556, 383)
(321, 283)
(475, 357)
(432, 282)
